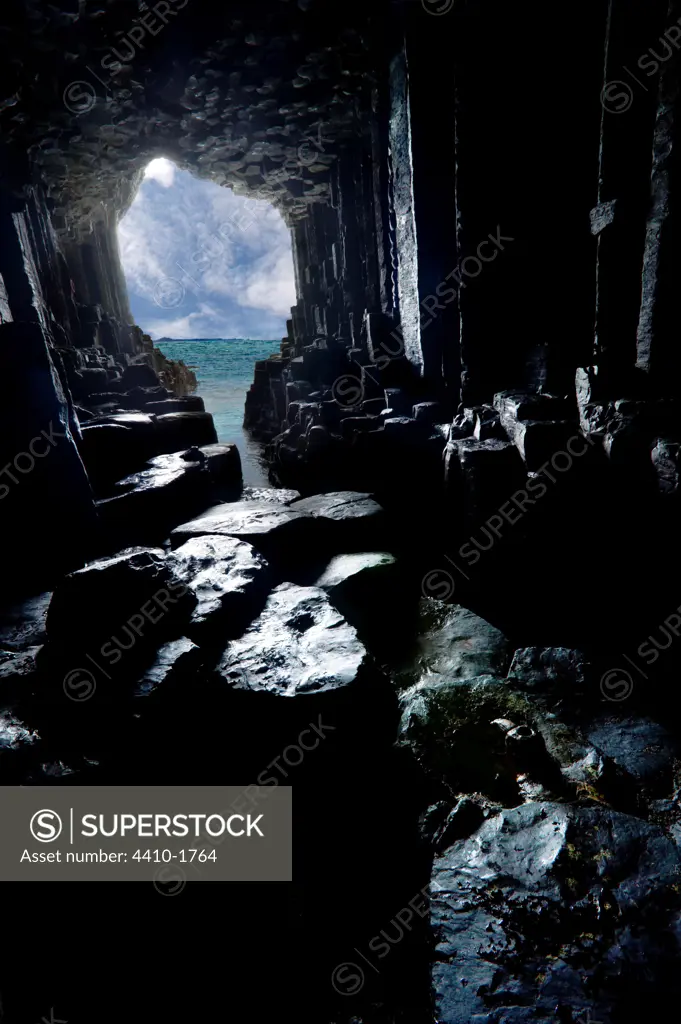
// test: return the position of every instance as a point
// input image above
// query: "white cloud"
(160, 170)
(232, 255)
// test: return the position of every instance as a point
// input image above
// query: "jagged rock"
(487, 424)
(641, 747)
(481, 475)
(427, 412)
(145, 398)
(463, 820)
(452, 643)
(514, 406)
(449, 727)
(545, 668)
(666, 459)
(549, 912)
(229, 579)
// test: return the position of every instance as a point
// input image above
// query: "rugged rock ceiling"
(255, 96)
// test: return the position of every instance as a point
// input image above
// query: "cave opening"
(437, 621)
(210, 279)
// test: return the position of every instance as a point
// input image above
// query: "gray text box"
(166, 834)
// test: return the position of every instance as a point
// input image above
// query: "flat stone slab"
(247, 520)
(353, 568)
(278, 495)
(299, 645)
(219, 462)
(227, 577)
(339, 506)
(351, 519)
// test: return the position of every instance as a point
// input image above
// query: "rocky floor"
(544, 812)
(519, 807)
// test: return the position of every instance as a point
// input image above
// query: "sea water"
(224, 370)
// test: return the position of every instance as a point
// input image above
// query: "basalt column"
(38, 454)
(431, 91)
(658, 348)
(526, 174)
(628, 100)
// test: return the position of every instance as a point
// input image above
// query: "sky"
(201, 262)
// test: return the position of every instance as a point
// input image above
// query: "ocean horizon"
(224, 371)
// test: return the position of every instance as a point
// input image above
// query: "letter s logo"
(46, 826)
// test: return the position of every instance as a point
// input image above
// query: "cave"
(450, 622)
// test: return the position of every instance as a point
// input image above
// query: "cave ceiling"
(258, 96)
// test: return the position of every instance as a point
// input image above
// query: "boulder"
(643, 748)
(229, 580)
(451, 643)
(544, 669)
(451, 728)
(550, 912)
(480, 476)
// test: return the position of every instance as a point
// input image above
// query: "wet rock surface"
(299, 645)
(148, 504)
(452, 643)
(552, 911)
(273, 528)
(229, 580)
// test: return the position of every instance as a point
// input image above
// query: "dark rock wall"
(457, 232)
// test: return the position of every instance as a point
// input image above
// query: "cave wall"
(457, 233)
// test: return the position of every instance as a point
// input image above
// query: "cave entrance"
(210, 278)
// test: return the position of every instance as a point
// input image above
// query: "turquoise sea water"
(224, 369)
